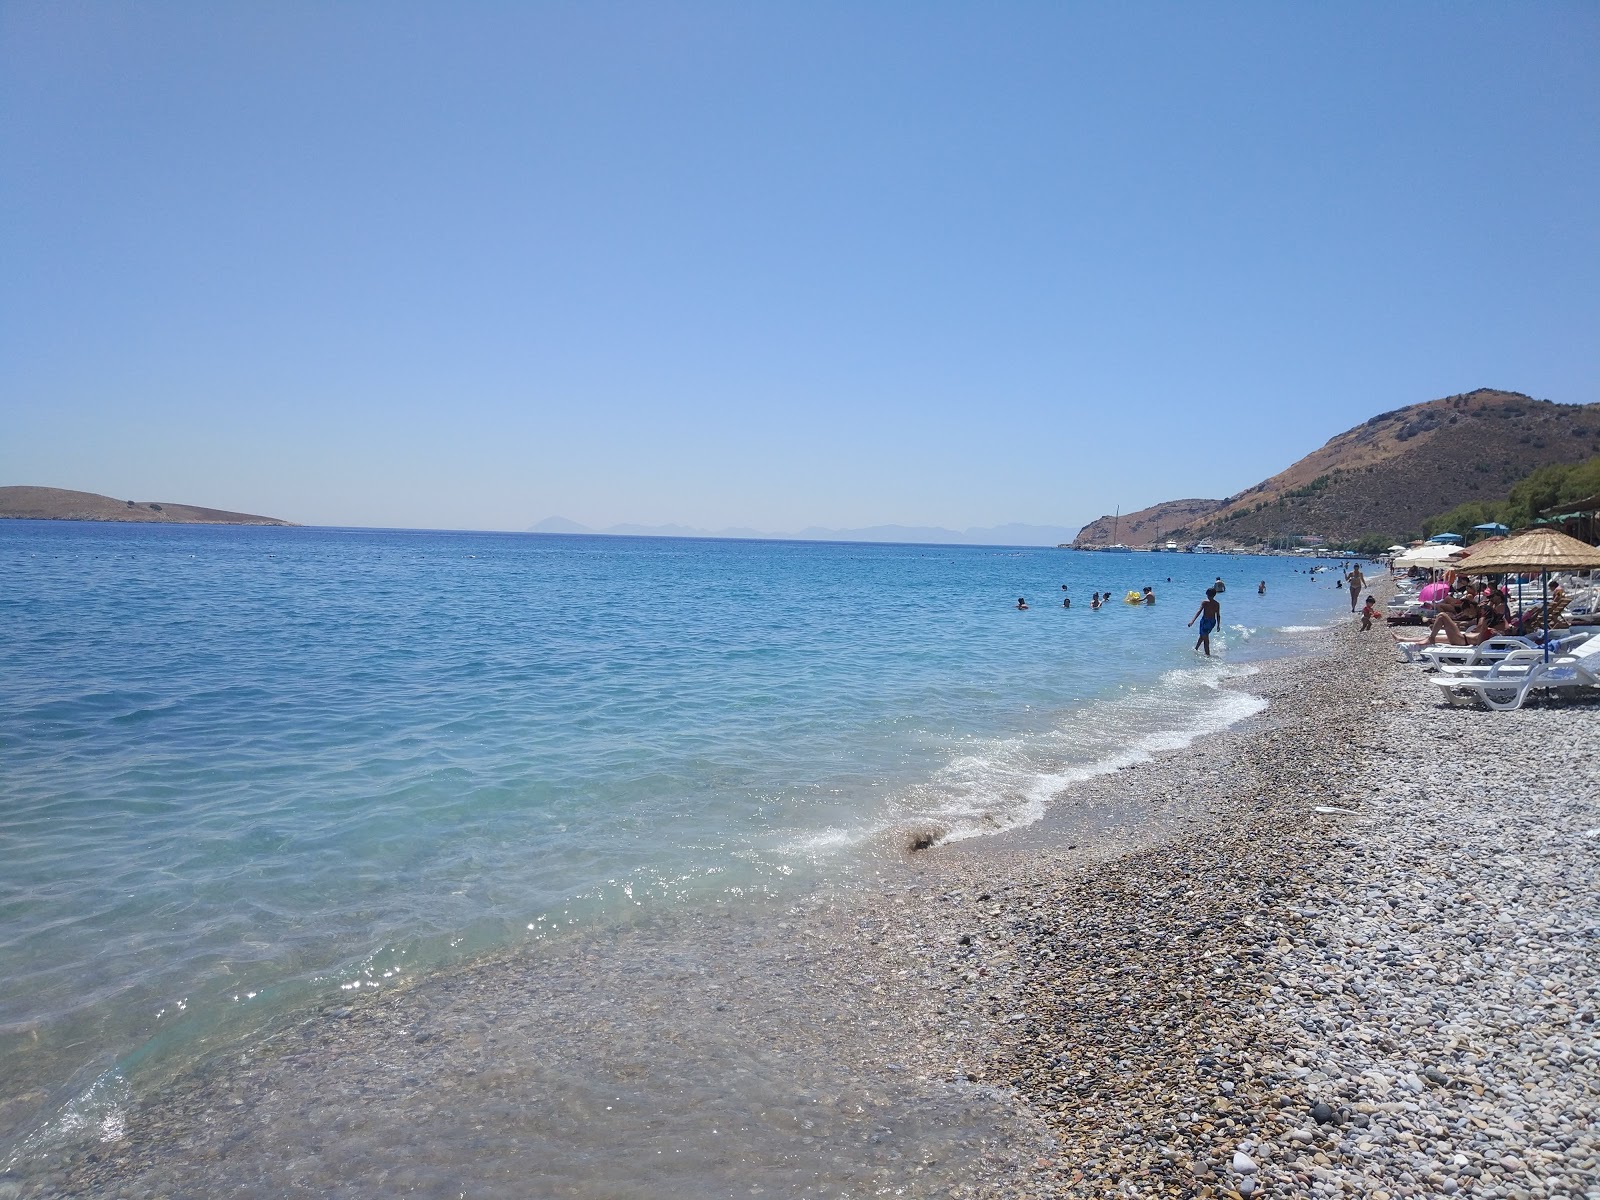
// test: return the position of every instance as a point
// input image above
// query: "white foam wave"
(1006, 783)
(99, 1112)
(824, 841)
(1303, 628)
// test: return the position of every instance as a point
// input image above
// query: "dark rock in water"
(1321, 1113)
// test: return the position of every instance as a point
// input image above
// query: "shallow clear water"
(242, 768)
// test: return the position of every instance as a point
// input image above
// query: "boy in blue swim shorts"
(1209, 614)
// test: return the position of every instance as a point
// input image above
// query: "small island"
(61, 504)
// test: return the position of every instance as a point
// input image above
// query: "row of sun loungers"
(1503, 673)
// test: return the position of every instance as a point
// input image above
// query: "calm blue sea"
(242, 768)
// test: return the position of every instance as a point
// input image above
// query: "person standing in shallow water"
(1357, 581)
(1209, 614)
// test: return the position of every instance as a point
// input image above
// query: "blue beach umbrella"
(1447, 537)
(1493, 527)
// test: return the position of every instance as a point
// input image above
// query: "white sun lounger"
(1508, 683)
(1490, 651)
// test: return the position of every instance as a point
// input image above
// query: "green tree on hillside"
(1550, 486)
(1545, 488)
(1463, 517)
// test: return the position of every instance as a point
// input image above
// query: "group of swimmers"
(1101, 599)
(1209, 614)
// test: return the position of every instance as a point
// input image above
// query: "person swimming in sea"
(1066, 601)
(1209, 614)
(1261, 589)
(1149, 596)
(1095, 603)
(1022, 605)
(1219, 587)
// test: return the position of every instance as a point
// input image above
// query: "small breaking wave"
(994, 784)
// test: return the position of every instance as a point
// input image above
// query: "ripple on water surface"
(245, 766)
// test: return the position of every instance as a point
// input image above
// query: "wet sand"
(1117, 1000)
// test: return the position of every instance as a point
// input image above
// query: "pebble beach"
(1366, 967)
(1345, 947)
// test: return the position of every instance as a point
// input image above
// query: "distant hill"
(1390, 473)
(991, 535)
(59, 504)
(1153, 524)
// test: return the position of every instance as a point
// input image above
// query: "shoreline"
(1127, 1009)
(1167, 1010)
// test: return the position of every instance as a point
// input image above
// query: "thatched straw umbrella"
(1542, 550)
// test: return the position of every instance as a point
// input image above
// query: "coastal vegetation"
(1544, 489)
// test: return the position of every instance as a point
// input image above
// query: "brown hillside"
(1153, 524)
(59, 504)
(1388, 474)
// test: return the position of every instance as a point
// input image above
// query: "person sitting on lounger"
(1531, 621)
(1491, 622)
(1453, 614)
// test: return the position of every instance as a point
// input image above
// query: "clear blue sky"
(772, 264)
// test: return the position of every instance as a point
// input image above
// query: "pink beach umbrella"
(1432, 592)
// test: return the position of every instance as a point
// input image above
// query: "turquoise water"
(242, 768)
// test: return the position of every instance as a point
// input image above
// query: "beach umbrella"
(1541, 550)
(1536, 550)
(1493, 527)
(1447, 537)
(1398, 549)
(1433, 557)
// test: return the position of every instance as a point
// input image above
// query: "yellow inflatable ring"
(1133, 598)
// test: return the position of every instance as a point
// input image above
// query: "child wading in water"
(1368, 611)
(1209, 615)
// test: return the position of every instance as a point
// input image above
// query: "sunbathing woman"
(1491, 622)
(1453, 614)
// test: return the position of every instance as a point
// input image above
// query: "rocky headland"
(61, 504)
(1383, 477)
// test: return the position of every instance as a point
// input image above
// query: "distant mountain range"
(993, 535)
(61, 504)
(1385, 476)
